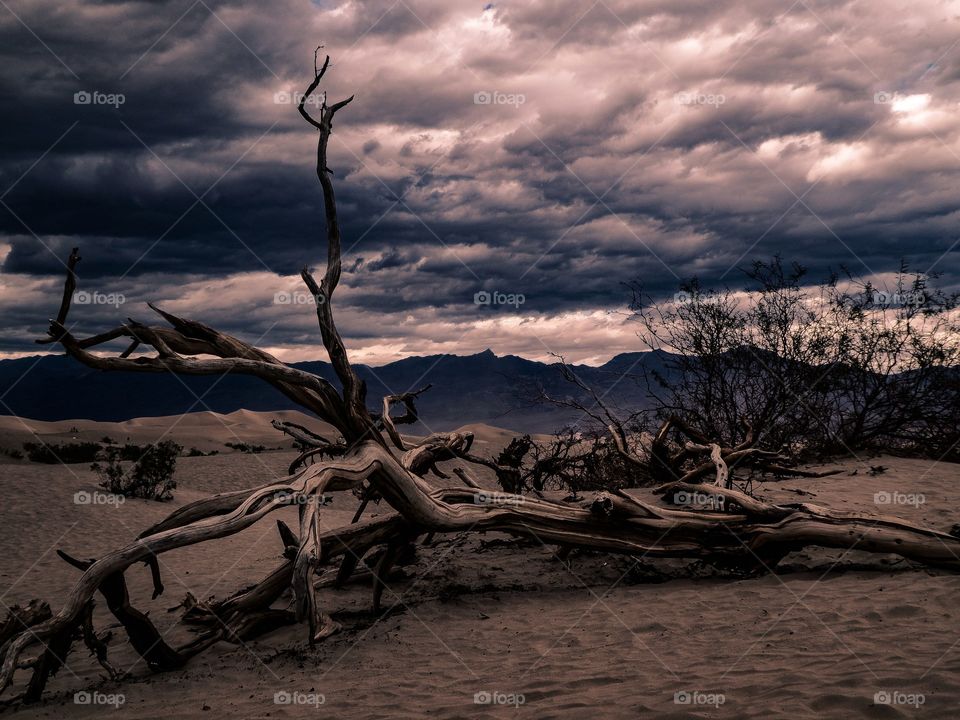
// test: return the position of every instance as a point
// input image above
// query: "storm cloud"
(543, 149)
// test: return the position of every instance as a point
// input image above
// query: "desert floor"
(602, 637)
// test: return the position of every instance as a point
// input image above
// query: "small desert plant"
(53, 454)
(151, 476)
(246, 447)
(132, 452)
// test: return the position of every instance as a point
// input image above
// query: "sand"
(203, 430)
(489, 614)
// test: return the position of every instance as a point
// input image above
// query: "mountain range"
(499, 390)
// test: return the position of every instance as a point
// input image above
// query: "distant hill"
(481, 388)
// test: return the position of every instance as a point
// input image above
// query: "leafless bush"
(840, 367)
(579, 461)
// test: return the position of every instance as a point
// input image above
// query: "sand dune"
(489, 614)
(203, 430)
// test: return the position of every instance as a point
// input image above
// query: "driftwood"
(721, 524)
(19, 618)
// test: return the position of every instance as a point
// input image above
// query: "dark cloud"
(553, 149)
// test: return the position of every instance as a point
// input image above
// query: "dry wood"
(731, 526)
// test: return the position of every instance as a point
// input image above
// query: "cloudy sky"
(548, 148)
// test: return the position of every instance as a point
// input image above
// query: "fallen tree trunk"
(741, 529)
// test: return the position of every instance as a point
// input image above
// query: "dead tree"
(737, 528)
